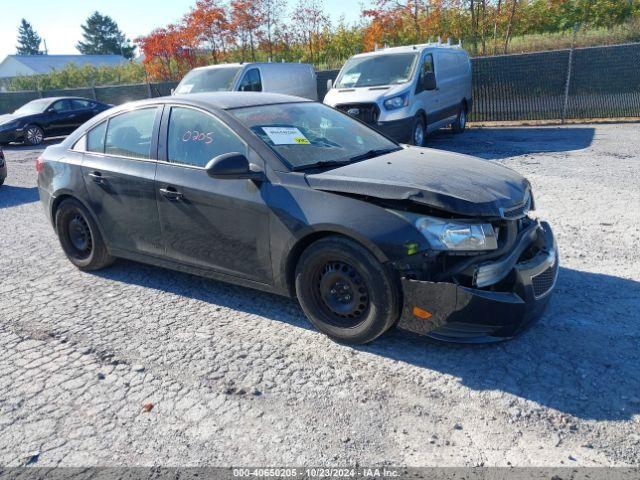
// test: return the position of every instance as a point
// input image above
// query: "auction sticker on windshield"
(286, 136)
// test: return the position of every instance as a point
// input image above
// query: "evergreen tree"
(28, 40)
(102, 37)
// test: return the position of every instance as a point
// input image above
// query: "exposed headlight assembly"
(397, 102)
(457, 236)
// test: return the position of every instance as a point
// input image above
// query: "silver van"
(297, 79)
(406, 92)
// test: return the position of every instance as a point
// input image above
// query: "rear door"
(208, 223)
(84, 110)
(119, 167)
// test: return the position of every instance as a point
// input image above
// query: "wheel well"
(56, 203)
(301, 246)
(422, 114)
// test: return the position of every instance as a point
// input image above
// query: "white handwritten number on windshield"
(196, 136)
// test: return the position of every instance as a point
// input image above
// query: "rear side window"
(95, 138)
(129, 134)
(196, 137)
(61, 106)
(81, 104)
(251, 81)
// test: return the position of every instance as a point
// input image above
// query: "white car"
(298, 79)
(406, 92)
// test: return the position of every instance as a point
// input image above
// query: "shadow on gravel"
(495, 143)
(582, 358)
(11, 196)
(20, 147)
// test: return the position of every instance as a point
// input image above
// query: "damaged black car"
(293, 197)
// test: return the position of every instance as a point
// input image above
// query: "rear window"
(95, 138)
(129, 134)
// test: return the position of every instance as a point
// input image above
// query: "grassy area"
(625, 33)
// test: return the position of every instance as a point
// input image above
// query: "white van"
(406, 92)
(297, 79)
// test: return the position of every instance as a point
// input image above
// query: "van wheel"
(345, 292)
(418, 132)
(460, 123)
(80, 238)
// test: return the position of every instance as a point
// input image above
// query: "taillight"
(39, 164)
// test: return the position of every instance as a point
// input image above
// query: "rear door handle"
(171, 193)
(97, 178)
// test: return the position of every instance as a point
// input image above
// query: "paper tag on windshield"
(286, 136)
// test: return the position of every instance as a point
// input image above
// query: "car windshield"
(208, 80)
(377, 70)
(33, 107)
(308, 135)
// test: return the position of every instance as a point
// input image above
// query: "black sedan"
(47, 117)
(296, 198)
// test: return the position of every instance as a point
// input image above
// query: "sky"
(58, 21)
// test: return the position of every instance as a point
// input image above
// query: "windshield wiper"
(376, 152)
(321, 164)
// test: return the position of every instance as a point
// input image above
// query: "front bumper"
(7, 136)
(399, 130)
(470, 315)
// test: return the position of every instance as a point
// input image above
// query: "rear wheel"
(460, 123)
(345, 292)
(33, 135)
(80, 238)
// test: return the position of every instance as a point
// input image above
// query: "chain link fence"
(591, 82)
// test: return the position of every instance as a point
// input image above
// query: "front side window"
(426, 70)
(196, 137)
(95, 138)
(251, 81)
(310, 134)
(129, 134)
(377, 70)
(219, 79)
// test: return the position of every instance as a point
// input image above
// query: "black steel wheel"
(79, 236)
(345, 291)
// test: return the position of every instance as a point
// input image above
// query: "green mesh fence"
(604, 82)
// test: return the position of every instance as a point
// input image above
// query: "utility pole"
(567, 84)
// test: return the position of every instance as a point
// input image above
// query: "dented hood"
(447, 181)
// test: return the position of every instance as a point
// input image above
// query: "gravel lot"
(238, 377)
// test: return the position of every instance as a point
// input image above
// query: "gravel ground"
(236, 377)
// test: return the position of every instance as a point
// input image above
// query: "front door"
(220, 225)
(427, 94)
(61, 118)
(119, 168)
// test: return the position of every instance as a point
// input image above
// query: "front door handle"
(97, 178)
(171, 193)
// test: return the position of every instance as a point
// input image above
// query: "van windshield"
(208, 80)
(377, 70)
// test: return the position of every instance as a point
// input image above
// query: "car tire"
(80, 238)
(418, 132)
(33, 135)
(459, 125)
(345, 291)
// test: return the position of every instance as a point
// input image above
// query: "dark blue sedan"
(47, 117)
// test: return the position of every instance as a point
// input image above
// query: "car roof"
(250, 64)
(227, 100)
(54, 99)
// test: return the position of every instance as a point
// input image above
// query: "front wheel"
(80, 238)
(460, 123)
(345, 292)
(419, 132)
(33, 135)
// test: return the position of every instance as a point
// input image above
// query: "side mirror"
(173, 91)
(429, 82)
(232, 166)
(329, 84)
